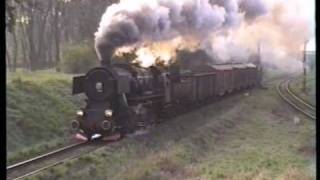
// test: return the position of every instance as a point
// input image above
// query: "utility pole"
(304, 83)
(259, 65)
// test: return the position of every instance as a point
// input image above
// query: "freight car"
(122, 98)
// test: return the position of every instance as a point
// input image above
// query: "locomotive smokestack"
(119, 33)
(103, 52)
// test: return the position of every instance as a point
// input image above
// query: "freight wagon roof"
(240, 66)
(250, 65)
(222, 67)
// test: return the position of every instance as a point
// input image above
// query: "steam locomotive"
(122, 98)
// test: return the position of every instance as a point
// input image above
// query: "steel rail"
(284, 90)
(51, 165)
(297, 97)
(45, 167)
(18, 166)
(44, 156)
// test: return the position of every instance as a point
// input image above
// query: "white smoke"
(229, 30)
(281, 34)
(129, 22)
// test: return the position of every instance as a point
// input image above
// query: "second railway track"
(295, 101)
(35, 165)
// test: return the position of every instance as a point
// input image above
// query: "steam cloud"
(129, 22)
(281, 34)
(228, 30)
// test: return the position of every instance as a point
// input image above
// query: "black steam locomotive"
(122, 98)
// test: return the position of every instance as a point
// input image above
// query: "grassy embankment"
(39, 110)
(241, 137)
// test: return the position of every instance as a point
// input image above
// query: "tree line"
(38, 30)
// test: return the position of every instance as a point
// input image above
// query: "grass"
(241, 137)
(39, 110)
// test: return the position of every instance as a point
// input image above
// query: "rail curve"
(285, 92)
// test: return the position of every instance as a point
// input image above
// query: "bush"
(78, 59)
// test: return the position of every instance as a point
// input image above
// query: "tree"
(39, 30)
(57, 32)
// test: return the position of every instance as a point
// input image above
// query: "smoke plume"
(228, 30)
(129, 22)
(280, 34)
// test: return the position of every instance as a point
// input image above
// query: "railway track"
(35, 165)
(294, 100)
(40, 163)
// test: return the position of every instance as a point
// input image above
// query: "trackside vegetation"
(38, 113)
(254, 139)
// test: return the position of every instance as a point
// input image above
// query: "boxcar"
(238, 76)
(224, 78)
(204, 86)
(182, 89)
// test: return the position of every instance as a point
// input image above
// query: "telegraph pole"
(304, 83)
(259, 63)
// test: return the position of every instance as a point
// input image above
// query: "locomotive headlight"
(108, 113)
(80, 113)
